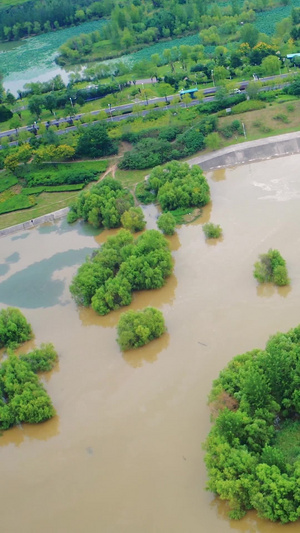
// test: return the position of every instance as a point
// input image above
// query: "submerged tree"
(271, 267)
(137, 328)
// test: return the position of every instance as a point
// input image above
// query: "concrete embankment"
(50, 217)
(232, 156)
(250, 151)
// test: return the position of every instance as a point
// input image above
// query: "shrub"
(144, 194)
(212, 231)
(95, 142)
(249, 105)
(167, 223)
(271, 267)
(137, 328)
(42, 359)
(5, 114)
(14, 328)
(133, 219)
(282, 118)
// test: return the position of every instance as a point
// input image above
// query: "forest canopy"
(122, 265)
(252, 452)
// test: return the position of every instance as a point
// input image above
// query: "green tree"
(249, 34)
(167, 223)
(14, 328)
(95, 142)
(133, 219)
(137, 328)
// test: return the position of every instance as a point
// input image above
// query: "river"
(33, 59)
(123, 454)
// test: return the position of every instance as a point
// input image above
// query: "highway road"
(126, 109)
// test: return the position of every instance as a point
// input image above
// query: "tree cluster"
(122, 265)
(23, 398)
(103, 205)
(137, 328)
(255, 396)
(271, 268)
(153, 147)
(178, 185)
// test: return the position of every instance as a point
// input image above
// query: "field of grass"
(46, 203)
(261, 123)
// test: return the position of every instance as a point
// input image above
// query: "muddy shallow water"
(124, 453)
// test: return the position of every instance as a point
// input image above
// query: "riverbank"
(231, 156)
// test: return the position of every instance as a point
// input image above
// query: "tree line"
(34, 17)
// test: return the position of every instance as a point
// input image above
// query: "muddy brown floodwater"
(124, 453)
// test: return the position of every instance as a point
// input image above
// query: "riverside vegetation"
(23, 398)
(252, 451)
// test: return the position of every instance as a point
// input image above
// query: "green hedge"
(249, 105)
(6, 182)
(48, 174)
(58, 188)
(19, 201)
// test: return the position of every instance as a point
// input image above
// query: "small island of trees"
(252, 451)
(23, 398)
(137, 328)
(122, 265)
(271, 268)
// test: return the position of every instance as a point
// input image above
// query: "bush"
(282, 118)
(95, 142)
(133, 219)
(42, 359)
(271, 268)
(137, 328)
(167, 223)
(14, 328)
(49, 174)
(144, 194)
(212, 231)
(249, 105)
(5, 114)
(146, 153)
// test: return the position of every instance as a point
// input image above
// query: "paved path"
(233, 155)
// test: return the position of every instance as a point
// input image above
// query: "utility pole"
(212, 77)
